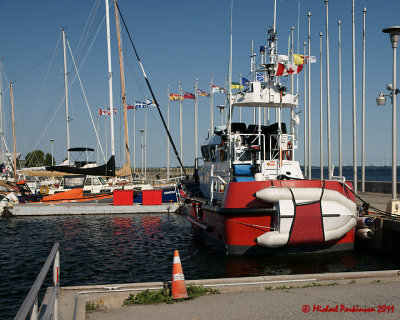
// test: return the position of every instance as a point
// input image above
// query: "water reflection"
(70, 227)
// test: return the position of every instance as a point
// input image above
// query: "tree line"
(38, 158)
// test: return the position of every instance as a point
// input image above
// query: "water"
(371, 173)
(138, 248)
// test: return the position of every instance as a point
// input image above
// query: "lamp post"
(221, 112)
(52, 152)
(394, 33)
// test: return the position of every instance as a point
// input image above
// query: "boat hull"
(235, 225)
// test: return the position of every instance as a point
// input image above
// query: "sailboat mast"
(13, 127)
(110, 94)
(122, 76)
(66, 93)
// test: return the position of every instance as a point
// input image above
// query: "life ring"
(222, 151)
(44, 189)
(288, 152)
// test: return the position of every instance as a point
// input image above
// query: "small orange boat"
(70, 196)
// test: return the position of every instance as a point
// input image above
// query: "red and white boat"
(254, 198)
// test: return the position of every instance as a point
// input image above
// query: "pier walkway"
(378, 200)
(356, 295)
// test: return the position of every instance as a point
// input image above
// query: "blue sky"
(181, 41)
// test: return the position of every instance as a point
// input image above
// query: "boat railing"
(242, 142)
(49, 306)
(216, 181)
(159, 182)
(340, 179)
(282, 147)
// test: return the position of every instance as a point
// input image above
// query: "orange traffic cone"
(178, 286)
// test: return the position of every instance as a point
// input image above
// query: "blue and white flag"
(139, 105)
(245, 82)
(150, 103)
(259, 76)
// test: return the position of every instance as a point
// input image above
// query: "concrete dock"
(40, 209)
(378, 200)
(352, 295)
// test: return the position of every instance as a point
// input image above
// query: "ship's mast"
(110, 79)
(13, 128)
(122, 75)
(66, 94)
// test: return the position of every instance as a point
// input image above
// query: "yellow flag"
(298, 59)
(236, 85)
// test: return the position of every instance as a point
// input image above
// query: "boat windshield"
(102, 181)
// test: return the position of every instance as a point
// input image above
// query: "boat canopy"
(107, 169)
(79, 149)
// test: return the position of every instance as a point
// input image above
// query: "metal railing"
(49, 307)
(174, 180)
(212, 186)
(281, 143)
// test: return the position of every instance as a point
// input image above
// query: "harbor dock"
(276, 297)
(40, 209)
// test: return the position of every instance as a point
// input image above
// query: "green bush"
(164, 295)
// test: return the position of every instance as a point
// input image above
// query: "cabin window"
(102, 181)
(212, 153)
(96, 182)
(205, 153)
(88, 182)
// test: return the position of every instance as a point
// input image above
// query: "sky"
(181, 41)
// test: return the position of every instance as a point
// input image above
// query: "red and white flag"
(106, 112)
(288, 69)
(217, 89)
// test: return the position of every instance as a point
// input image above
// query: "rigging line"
(139, 84)
(44, 81)
(45, 130)
(87, 104)
(29, 143)
(89, 23)
(31, 69)
(70, 83)
(87, 53)
(99, 24)
(151, 91)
